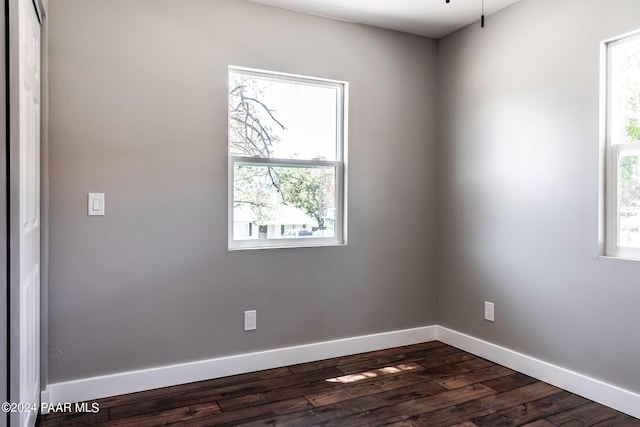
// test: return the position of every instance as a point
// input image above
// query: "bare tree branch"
(270, 112)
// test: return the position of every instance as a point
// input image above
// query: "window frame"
(339, 164)
(613, 154)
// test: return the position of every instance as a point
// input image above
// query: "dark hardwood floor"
(430, 384)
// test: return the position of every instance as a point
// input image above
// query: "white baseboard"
(147, 379)
(582, 385)
(88, 389)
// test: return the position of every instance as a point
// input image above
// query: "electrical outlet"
(250, 320)
(488, 311)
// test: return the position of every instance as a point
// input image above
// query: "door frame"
(13, 191)
(12, 166)
(4, 275)
(13, 199)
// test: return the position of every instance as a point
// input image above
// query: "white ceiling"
(430, 18)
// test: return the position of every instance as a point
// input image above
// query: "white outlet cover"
(250, 323)
(489, 311)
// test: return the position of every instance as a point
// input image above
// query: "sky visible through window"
(626, 93)
(307, 112)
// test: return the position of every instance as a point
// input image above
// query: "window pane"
(283, 202)
(629, 201)
(282, 119)
(625, 92)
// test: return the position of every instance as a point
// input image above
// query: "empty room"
(295, 212)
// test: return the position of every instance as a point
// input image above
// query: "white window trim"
(612, 157)
(340, 165)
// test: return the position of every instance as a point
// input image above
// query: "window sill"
(619, 258)
(286, 246)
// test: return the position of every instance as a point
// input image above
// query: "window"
(286, 160)
(623, 147)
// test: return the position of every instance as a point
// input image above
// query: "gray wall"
(138, 110)
(519, 189)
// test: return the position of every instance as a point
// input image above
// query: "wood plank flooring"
(430, 384)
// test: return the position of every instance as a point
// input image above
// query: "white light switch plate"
(95, 205)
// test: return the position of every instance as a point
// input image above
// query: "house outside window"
(287, 148)
(623, 147)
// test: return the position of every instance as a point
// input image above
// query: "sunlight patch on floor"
(345, 379)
